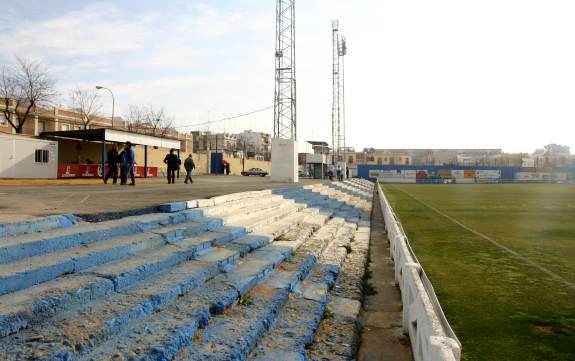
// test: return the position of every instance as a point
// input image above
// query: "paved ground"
(382, 335)
(37, 198)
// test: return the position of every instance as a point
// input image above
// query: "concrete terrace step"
(240, 205)
(214, 279)
(234, 335)
(337, 337)
(264, 217)
(30, 245)
(41, 224)
(22, 274)
(301, 315)
(170, 330)
(40, 301)
(78, 331)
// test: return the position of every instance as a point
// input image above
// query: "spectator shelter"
(105, 137)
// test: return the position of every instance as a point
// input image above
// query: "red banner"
(95, 171)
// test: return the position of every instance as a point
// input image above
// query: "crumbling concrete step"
(174, 233)
(22, 274)
(306, 217)
(19, 309)
(172, 329)
(241, 205)
(234, 335)
(78, 331)
(268, 216)
(338, 335)
(41, 224)
(259, 213)
(300, 317)
(41, 301)
(30, 245)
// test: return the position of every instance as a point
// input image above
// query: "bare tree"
(149, 120)
(87, 104)
(27, 86)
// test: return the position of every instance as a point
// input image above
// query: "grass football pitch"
(502, 261)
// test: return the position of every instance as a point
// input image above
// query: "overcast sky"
(420, 73)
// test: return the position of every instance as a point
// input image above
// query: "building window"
(3, 120)
(379, 161)
(65, 127)
(350, 159)
(42, 156)
(41, 126)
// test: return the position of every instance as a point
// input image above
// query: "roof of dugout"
(115, 136)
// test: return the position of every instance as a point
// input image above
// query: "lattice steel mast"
(335, 111)
(338, 139)
(285, 124)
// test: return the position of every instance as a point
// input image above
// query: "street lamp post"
(113, 101)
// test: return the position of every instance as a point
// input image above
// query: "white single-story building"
(26, 157)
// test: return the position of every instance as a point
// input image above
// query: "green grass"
(500, 307)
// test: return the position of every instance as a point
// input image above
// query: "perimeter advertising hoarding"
(540, 177)
(469, 174)
(95, 171)
(396, 176)
(488, 174)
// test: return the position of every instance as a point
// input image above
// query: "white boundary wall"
(432, 339)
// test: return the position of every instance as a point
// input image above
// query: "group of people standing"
(338, 172)
(125, 160)
(173, 162)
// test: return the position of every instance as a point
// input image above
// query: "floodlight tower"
(284, 144)
(342, 54)
(285, 125)
(335, 110)
(338, 102)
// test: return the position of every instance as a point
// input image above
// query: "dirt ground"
(24, 199)
(382, 335)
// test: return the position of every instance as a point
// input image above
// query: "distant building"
(204, 141)
(255, 144)
(61, 119)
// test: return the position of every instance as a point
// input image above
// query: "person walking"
(173, 163)
(122, 162)
(112, 165)
(189, 165)
(129, 162)
(338, 173)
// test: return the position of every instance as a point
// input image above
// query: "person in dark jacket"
(189, 165)
(112, 160)
(173, 163)
(121, 161)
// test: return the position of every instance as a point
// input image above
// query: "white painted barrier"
(432, 339)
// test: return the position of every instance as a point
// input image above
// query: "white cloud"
(445, 73)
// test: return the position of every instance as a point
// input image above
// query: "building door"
(216, 166)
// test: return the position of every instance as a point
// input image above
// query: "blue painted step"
(56, 295)
(169, 331)
(17, 248)
(77, 332)
(41, 224)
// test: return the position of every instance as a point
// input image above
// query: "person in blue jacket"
(129, 162)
